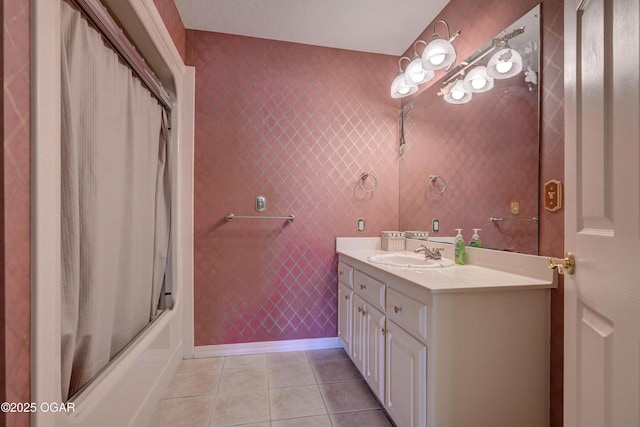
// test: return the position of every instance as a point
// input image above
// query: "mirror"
(476, 164)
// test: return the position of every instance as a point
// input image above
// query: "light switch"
(360, 225)
(435, 225)
(261, 203)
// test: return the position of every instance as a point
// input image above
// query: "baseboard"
(265, 347)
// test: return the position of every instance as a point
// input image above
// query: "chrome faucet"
(430, 253)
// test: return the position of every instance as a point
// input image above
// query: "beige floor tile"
(328, 371)
(287, 357)
(295, 402)
(348, 396)
(189, 384)
(243, 379)
(209, 364)
(185, 412)
(327, 354)
(244, 361)
(319, 421)
(375, 418)
(240, 408)
(291, 374)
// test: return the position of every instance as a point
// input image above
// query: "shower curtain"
(115, 203)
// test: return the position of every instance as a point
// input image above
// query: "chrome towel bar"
(231, 216)
(497, 219)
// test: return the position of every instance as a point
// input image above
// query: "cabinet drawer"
(371, 289)
(408, 313)
(345, 274)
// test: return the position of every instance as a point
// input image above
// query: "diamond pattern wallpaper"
(298, 125)
(15, 295)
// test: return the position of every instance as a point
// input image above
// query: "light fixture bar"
(464, 66)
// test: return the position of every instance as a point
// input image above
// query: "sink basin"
(409, 260)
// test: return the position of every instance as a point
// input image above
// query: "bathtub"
(127, 391)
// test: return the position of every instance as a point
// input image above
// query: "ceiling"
(378, 26)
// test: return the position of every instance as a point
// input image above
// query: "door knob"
(564, 265)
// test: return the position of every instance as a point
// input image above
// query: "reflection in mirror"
(475, 164)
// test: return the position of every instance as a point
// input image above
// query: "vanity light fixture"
(457, 94)
(439, 53)
(400, 88)
(415, 72)
(477, 80)
(505, 63)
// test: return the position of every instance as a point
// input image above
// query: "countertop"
(519, 272)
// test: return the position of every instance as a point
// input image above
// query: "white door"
(602, 217)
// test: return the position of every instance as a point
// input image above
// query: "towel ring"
(363, 178)
(432, 181)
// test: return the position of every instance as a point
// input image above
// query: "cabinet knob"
(384, 331)
(363, 286)
(397, 309)
(340, 273)
(359, 309)
(346, 297)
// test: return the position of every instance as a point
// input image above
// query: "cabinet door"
(406, 378)
(374, 350)
(359, 333)
(345, 316)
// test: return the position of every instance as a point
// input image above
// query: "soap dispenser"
(460, 248)
(475, 239)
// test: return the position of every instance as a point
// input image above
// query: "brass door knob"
(563, 265)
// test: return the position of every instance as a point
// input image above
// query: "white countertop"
(519, 272)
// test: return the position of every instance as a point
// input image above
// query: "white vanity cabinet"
(406, 359)
(345, 305)
(463, 354)
(368, 346)
(345, 316)
(406, 378)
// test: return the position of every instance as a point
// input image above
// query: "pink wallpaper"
(15, 210)
(173, 22)
(299, 125)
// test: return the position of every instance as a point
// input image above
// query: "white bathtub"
(126, 393)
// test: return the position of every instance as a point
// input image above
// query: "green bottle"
(460, 248)
(475, 239)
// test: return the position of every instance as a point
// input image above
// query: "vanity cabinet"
(345, 316)
(345, 305)
(458, 356)
(368, 349)
(406, 378)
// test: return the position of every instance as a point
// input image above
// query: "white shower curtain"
(115, 203)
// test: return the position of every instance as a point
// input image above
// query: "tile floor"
(301, 388)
